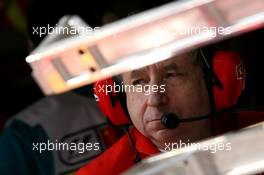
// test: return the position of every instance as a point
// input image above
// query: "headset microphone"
(172, 121)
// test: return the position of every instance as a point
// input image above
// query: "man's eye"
(139, 82)
(173, 74)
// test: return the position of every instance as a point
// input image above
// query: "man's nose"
(157, 99)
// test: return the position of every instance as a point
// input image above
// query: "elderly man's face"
(185, 95)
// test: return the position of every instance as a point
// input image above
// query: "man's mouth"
(153, 120)
(153, 116)
(155, 123)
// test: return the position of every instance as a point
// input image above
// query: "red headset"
(110, 103)
(226, 65)
(231, 72)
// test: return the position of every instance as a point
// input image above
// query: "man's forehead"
(176, 62)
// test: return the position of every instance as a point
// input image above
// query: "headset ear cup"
(110, 102)
(230, 71)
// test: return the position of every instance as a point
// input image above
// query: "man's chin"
(155, 126)
(162, 135)
(157, 131)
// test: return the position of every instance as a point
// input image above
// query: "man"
(185, 95)
(27, 144)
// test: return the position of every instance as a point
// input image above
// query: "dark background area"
(18, 17)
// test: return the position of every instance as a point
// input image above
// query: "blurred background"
(18, 18)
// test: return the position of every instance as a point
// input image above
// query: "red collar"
(143, 144)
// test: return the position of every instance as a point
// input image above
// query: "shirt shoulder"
(113, 161)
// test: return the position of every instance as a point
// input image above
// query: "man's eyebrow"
(172, 66)
(136, 73)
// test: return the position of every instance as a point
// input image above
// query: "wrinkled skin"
(185, 95)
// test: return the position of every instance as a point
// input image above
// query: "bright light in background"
(145, 39)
